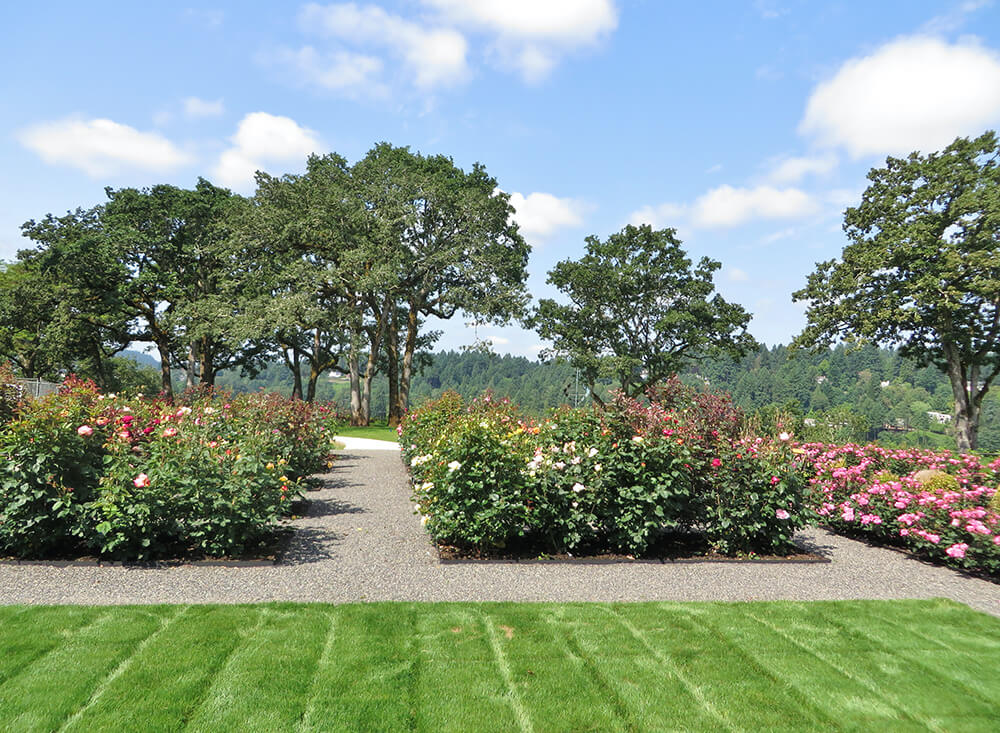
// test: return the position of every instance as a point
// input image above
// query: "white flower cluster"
(420, 460)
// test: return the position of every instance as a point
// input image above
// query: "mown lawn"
(374, 432)
(911, 665)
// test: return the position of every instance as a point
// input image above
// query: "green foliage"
(145, 479)
(638, 310)
(584, 480)
(49, 473)
(922, 270)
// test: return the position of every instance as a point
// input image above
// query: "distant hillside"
(141, 358)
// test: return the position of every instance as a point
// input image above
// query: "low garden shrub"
(212, 475)
(936, 504)
(590, 481)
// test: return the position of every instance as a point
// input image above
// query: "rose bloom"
(169, 432)
(85, 430)
(716, 463)
(784, 436)
(141, 481)
(782, 514)
(957, 550)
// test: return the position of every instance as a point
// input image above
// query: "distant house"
(941, 418)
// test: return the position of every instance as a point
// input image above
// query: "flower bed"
(85, 473)
(617, 480)
(934, 504)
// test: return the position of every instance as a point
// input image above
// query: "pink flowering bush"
(585, 480)
(211, 475)
(934, 503)
(49, 472)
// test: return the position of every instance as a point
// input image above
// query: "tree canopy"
(922, 270)
(638, 310)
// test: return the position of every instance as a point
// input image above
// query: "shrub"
(936, 504)
(599, 480)
(51, 463)
(144, 479)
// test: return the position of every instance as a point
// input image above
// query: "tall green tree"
(442, 241)
(922, 271)
(638, 310)
(62, 299)
(298, 232)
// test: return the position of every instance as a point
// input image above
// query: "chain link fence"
(36, 387)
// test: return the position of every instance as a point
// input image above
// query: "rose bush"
(210, 475)
(593, 481)
(935, 504)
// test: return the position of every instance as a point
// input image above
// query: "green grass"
(374, 432)
(864, 665)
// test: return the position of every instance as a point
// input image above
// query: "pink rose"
(169, 432)
(782, 514)
(716, 463)
(957, 550)
(85, 431)
(141, 481)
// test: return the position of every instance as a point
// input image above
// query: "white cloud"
(953, 19)
(499, 340)
(727, 206)
(531, 36)
(435, 56)
(352, 74)
(793, 170)
(779, 235)
(195, 108)
(658, 217)
(262, 139)
(102, 147)
(916, 93)
(736, 275)
(540, 214)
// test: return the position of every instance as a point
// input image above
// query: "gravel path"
(361, 541)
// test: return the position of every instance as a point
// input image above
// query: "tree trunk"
(968, 400)
(293, 366)
(354, 371)
(166, 383)
(314, 374)
(208, 370)
(392, 355)
(409, 348)
(189, 373)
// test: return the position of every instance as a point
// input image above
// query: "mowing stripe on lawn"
(325, 657)
(672, 668)
(46, 692)
(656, 700)
(523, 719)
(616, 714)
(736, 641)
(365, 680)
(33, 632)
(455, 655)
(851, 703)
(122, 666)
(874, 688)
(277, 662)
(948, 702)
(165, 683)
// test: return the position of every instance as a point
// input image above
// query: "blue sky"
(746, 126)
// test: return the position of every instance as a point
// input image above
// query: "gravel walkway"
(361, 541)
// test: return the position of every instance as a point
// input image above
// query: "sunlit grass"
(373, 432)
(865, 665)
